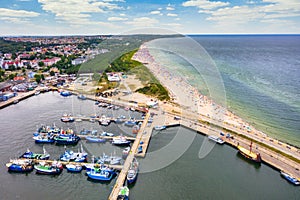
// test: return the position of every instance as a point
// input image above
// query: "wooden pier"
(122, 175)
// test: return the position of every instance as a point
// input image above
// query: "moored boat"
(81, 97)
(100, 175)
(120, 141)
(216, 139)
(95, 139)
(19, 165)
(40, 156)
(133, 171)
(159, 128)
(67, 118)
(290, 178)
(65, 93)
(74, 168)
(67, 139)
(44, 139)
(48, 169)
(125, 152)
(249, 154)
(124, 193)
(130, 123)
(71, 156)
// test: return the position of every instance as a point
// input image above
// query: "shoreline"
(217, 117)
(206, 107)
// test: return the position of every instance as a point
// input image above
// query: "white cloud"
(14, 20)
(122, 15)
(172, 15)
(205, 4)
(224, 14)
(142, 22)
(117, 19)
(155, 12)
(77, 11)
(170, 8)
(159, 8)
(17, 13)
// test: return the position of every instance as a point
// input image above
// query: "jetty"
(122, 175)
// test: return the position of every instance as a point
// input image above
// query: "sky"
(94, 17)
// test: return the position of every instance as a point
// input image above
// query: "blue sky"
(64, 17)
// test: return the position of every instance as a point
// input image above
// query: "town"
(28, 61)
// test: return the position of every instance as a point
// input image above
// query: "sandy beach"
(191, 102)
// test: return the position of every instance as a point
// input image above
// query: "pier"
(122, 175)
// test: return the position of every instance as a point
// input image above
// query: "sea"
(257, 76)
(260, 76)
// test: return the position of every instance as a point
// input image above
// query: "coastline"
(202, 109)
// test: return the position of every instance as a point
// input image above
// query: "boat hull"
(96, 140)
(255, 158)
(20, 168)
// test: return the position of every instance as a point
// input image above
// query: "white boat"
(133, 171)
(216, 139)
(126, 151)
(123, 194)
(104, 121)
(120, 141)
(290, 178)
(159, 128)
(107, 134)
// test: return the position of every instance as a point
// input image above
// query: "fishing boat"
(112, 160)
(107, 134)
(100, 175)
(125, 152)
(18, 165)
(290, 178)
(74, 168)
(249, 154)
(67, 118)
(37, 92)
(44, 139)
(81, 97)
(71, 156)
(48, 169)
(104, 121)
(70, 139)
(120, 141)
(130, 123)
(95, 139)
(216, 139)
(65, 93)
(133, 171)
(30, 155)
(159, 128)
(124, 193)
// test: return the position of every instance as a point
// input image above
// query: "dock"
(122, 175)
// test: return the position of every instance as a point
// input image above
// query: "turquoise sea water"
(260, 76)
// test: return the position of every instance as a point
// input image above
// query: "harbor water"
(220, 175)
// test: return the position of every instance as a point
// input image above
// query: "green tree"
(41, 64)
(37, 78)
(52, 73)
